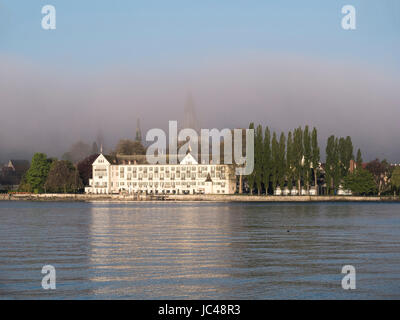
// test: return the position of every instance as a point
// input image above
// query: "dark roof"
(111, 159)
(20, 166)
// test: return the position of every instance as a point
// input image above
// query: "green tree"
(395, 180)
(360, 182)
(345, 155)
(307, 157)
(282, 162)
(298, 153)
(332, 167)
(258, 158)
(63, 178)
(275, 161)
(359, 159)
(289, 161)
(36, 176)
(251, 177)
(315, 158)
(267, 159)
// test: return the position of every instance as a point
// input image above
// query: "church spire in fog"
(190, 119)
(138, 131)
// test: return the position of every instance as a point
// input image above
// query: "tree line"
(293, 161)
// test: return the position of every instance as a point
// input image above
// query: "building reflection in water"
(153, 250)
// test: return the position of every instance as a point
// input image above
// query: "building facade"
(123, 174)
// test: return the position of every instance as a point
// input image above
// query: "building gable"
(101, 160)
(188, 159)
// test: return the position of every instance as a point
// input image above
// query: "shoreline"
(190, 198)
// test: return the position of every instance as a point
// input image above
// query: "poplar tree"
(251, 177)
(342, 156)
(329, 163)
(359, 159)
(275, 160)
(282, 161)
(298, 156)
(332, 169)
(315, 157)
(336, 172)
(267, 159)
(307, 157)
(345, 155)
(258, 158)
(289, 161)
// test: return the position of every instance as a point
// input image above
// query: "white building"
(132, 174)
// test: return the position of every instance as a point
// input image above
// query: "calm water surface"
(199, 250)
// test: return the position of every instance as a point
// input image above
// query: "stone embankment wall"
(215, 198)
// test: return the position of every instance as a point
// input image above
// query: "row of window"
(167, 169)
(163, 184)
(172, 176)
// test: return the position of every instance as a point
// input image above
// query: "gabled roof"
(20, 166)
(189, 159)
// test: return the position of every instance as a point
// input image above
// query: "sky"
(277, 63)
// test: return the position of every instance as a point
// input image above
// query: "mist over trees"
(78, 151)
(130, 147)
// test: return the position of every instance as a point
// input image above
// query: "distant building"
(12, 173)
(190, 118)
(132, 174)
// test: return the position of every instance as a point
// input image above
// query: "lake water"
(199, 250)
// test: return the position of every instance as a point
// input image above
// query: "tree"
(360, 182)
(258, 160)
(129, 147)
(395, 180)
(359, 159)
(380, 172)
(332, 167)
(85, 168)
(35, 178)
(298, 156)
(315, 157)
(242, 143)
(307, 157)
(63, 178)
(251, 177)
(289, 161)
(267, 165)
(275, 161)
(345, 155)
(282, 161)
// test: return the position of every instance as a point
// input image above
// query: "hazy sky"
(278, 63)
